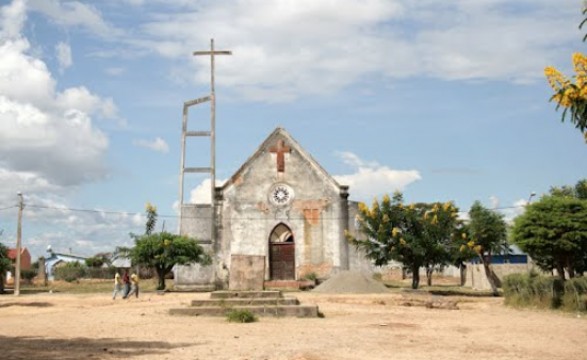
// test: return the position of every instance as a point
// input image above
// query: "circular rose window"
(281, 194)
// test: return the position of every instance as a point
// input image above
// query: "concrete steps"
(246, 301)
(261, 303)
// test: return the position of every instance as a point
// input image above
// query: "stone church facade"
(282, 213)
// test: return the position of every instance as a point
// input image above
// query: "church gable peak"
(280, 146)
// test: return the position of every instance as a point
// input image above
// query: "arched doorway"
(282, 254)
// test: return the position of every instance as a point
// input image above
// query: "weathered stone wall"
(314, 214)
(246, 272)
(196, 224)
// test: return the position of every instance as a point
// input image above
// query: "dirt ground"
(382, 326)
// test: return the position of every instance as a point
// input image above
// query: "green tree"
(553, 231)
(5, 265)
(416, 235)
(460, 250)
(487, 236)
(162, 251)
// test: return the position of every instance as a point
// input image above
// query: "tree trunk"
(429, 271)
(161, 279)
(1, 283)
(570, 268)
(491, 277)
(415, 277)
(463, 273)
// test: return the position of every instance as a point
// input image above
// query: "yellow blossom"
(150, 208)
(462, 248)
(580, 65)
(464, 235)
(386, 200)
(394, 232)
(556, 79)
(402, 242)
(471, 244)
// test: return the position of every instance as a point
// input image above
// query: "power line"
(127, 213)
(9, 207)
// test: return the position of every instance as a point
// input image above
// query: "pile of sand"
(349, 282)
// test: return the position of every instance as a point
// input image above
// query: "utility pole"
(18, 245)
(212, 134)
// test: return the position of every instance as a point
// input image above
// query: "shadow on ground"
(31, 304)
(35, 348)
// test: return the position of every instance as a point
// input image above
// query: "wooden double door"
(282, 264)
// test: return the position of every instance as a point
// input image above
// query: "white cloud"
(332, 46)
(75, 13)
(158, 145)
(63, 53)
(371, 179)
(48, 142)
(201, 193)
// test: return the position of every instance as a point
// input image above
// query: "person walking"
(117, 285)
(134, 280)
(126, 282)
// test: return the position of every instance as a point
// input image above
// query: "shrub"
(28, 275)
(545, 292)
(575, 297)
(100, 273)
(69, 273)
(241, 316)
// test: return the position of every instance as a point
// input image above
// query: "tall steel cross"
(212, 53)
(280, 150)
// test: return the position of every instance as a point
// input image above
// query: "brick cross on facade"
(280, 150)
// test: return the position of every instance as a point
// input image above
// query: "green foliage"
(162, 251)
(240, 316)
(553, 231)
(545, 292)
(151, 219)
(95, 261)
(311, 276)
(487, 230)
(5, 264)
(70, 272)
(416, 235)
(28, 274)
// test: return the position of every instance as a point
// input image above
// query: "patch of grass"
(240, 316)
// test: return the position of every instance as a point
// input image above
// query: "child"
(117, 285)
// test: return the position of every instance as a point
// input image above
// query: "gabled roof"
(280, 132)
(12, 253)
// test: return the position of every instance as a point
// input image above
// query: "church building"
(281, 216)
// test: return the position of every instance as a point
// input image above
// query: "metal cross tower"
(211, 133)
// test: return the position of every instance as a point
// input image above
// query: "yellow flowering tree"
(572, 95)
(416, 235)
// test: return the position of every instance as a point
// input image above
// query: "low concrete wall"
(476, 278)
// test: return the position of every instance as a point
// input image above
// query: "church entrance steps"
(245, 301)
(290, 284)
(301, 311)
(261, 303)
(228, 294)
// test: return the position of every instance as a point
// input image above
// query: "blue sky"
(441, 100)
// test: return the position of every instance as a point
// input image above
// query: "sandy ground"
(64, 326)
